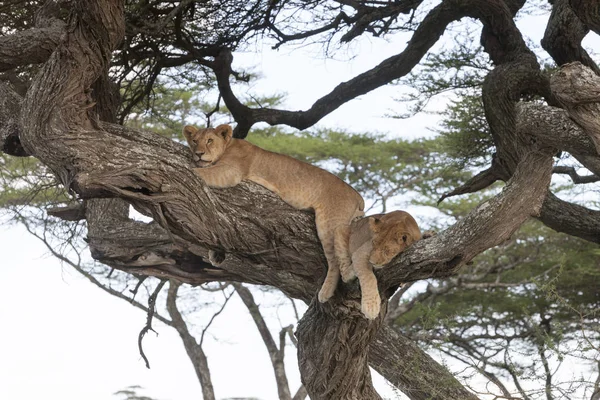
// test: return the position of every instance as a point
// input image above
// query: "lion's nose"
(198, 156)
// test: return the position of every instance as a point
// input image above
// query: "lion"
(374, 241)
(226, 161)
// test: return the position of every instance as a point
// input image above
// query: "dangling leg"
(370, 300)
(342, 252)
(333, 271)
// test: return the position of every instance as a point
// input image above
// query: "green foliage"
(536, 295)
(465, 133)
(25, 181)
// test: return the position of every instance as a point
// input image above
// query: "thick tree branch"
(488, 225)
(28, 47)
(570, 218)
(588, 12)
(563, 36)
(578, 90)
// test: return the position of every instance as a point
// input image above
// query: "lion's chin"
(202, 163)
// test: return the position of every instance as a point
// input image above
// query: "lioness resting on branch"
(226, 161)
(374, 242)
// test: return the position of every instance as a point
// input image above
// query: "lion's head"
(392, 234)
(209, 144)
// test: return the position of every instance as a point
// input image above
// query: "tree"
(71, 130)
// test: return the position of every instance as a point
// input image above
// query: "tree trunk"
(333, 349)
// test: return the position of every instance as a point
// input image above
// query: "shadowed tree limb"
(563, 36)
(578, 91)
(575, 177)
(588, 12)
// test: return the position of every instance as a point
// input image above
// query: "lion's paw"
(325, 293)
(370, 307)
(348, 274)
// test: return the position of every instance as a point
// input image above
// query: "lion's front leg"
(370, 299)
(220, 175)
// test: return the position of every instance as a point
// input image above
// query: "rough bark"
(32, 46)
(578, 91)
(333, 348)
(10, 111)
(563, 36)
(588, 11)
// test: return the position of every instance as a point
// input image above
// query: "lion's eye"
(209, 141)
(194, 141)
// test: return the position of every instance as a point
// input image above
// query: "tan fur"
(227, 161)
(374, 242)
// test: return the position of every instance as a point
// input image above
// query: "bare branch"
(276, 354)
(193, 349)
(576, 178)
(148, 327)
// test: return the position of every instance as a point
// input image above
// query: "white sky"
(63, 338)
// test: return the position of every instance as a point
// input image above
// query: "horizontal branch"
(478, 182)
(575, 177)
(28, 47)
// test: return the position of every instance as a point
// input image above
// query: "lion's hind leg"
(333, 270)
(342, 252)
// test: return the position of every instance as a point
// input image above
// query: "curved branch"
(478, 182)
(563, 36)
(33, 46)
(571, 219)
(577, 88)
(192, 348)
(492, 13)
(413, 371)
(276, 354)
(588, 12)
(488, 225)
(553, 127)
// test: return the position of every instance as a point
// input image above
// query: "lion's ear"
(374, 224)
(188, 131)
(404, 238)
(225, 131)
